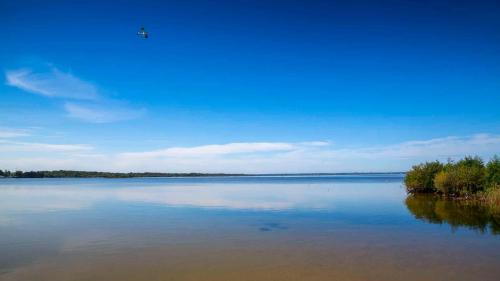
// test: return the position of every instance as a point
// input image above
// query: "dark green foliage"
(471, 162)
(421, 177)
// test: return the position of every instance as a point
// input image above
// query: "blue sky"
(247, 86)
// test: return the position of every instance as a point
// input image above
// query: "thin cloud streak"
(54, 84)
(99, 113)
(214, 150)
(13, 133)
(451, 146)
(15, 146)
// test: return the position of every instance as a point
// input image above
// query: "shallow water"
(240, 228)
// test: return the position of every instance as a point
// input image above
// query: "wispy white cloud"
(53, 83)
(83, 99)
(16, 146)
(316, 143)
(214, 150)
(102, 113)
(452, 146)
(13, 133)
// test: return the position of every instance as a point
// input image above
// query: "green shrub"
(444, 182)
(492, 177)
(467, 176)
(471, 162)
(421, 177)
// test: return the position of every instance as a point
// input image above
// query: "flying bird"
(143, 33)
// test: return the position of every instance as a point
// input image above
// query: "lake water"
(240, 228)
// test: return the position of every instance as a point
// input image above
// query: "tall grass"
(492, 199)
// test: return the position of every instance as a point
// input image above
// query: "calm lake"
(361, 227)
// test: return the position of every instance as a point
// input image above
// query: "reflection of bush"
(423, 207)
(475, 214)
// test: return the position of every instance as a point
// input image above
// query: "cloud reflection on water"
(31, 197)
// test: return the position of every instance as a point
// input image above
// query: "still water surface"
(240, 228)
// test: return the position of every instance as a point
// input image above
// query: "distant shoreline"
(94, 174)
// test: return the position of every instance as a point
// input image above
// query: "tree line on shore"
(469, 177)
(90, 174)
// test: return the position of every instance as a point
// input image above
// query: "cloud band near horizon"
(246, 157)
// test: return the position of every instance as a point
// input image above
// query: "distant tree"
(91, 174)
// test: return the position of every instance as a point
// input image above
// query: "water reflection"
(268, 194)
(457, 213)
(250, 228)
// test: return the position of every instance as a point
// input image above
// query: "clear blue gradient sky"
(247, 86)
